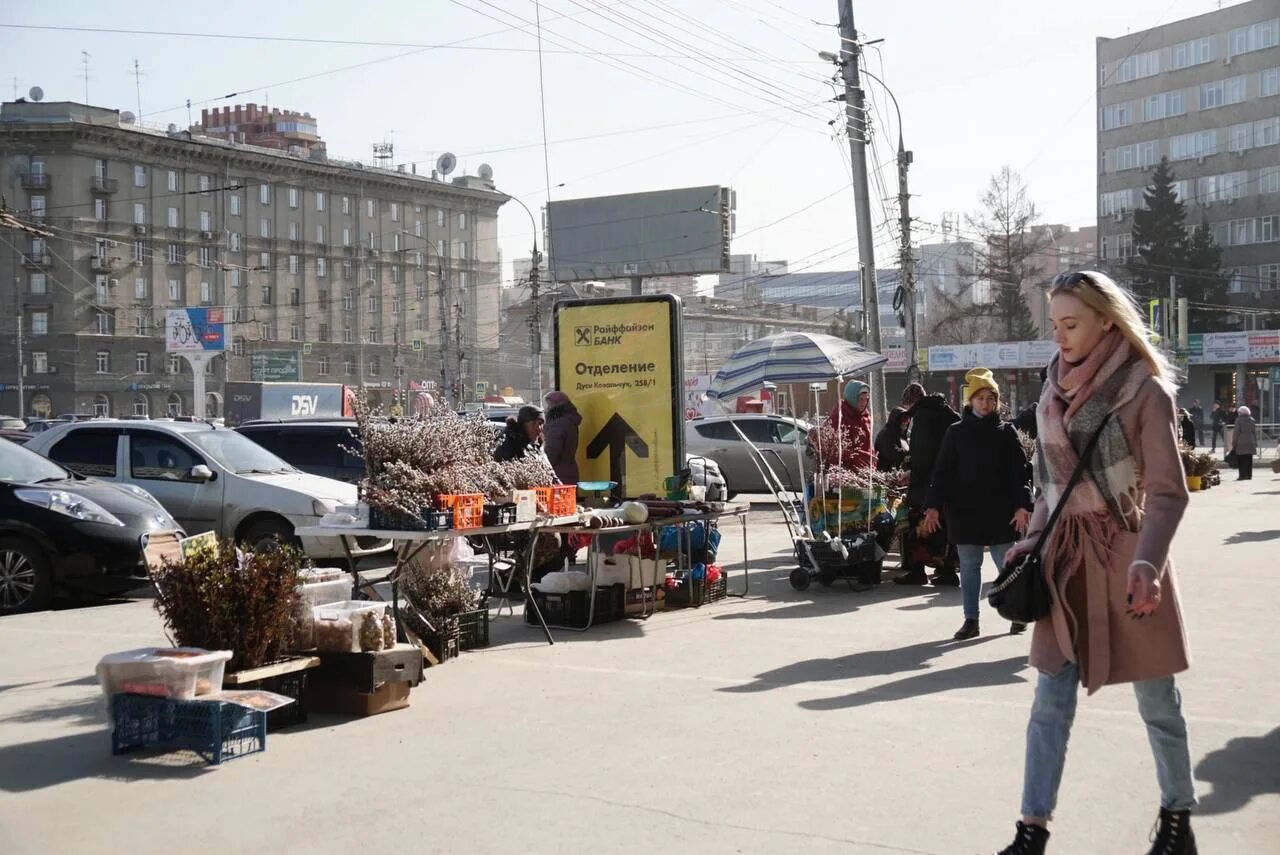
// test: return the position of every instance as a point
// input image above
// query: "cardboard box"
(365, 672)
(325, 696)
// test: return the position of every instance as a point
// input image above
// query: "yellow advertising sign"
(618, 360)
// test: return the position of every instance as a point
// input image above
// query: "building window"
(39, 283)
(206, 293)
(321, 268)
(264, 194)
(139, 251)
(346, 335)
(139, 176)
(104, 324)
(204, 256)
(102, 362)
(1113, 116)
(395, 273)
(462, 217)
(293, 264)
(295, 296)
(99, 208)
(205, 183)
(173, 181)
(39, 362)
(324, 332)
(264, 228)
(375, 335)
(293, 197)
(1269, 83)
(346, 237)
(234, 240)
(440, 215)
(264, 261)
(142, 325)
(375, 365)
(265, 331)
(172, 218)
(142, 362)
(395, 305)
(174, 365)
(233, 277)
(346, 205)
(1268, 180)
(1266, 132)
(294, 334)
(173, 254)
(39, 323)
(417, 228)
(175, 291)
(1260, 36)
(420, 323)
(320, 200)
(322, 366)
(373, 303)
(348, 301)
(420, 292)
(348, 366)
(206, 221)
(100, 290)
(139, 214)
(370, 207)
(462, 279)
(395, 212)
(266, 295)
(233, 203)
(348, 270)
(295, 231)
(139, 288)
(319, 234)
(440, 255)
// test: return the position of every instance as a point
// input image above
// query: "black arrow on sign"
(617, 436)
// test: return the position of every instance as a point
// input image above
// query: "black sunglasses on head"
(1071, 280)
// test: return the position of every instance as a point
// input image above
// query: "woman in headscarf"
(1244, 443)
(561, 436)
(852, 421)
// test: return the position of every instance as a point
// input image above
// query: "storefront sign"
(619, 360)
(1195, 349)
(897, 353)
(275, 366)
(1037, 354)
(1264, 346)
(1223, 348)
(1000, 355)
(1008, 354)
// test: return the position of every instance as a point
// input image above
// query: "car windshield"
(20, 466)
(237, 453)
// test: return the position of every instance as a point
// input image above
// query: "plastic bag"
(462, 551)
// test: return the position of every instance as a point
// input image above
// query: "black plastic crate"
(499, 514)
(473, 629)
(214, 730)
(571, 609)
(380, 518)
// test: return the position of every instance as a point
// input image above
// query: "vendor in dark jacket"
(982, 484)
(522, 436)
(930, 417)
(561, 435)
(891, 441)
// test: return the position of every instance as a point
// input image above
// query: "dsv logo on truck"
(305, 405)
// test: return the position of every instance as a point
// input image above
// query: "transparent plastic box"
(180, 673)
(311, 575)
(337, 626)
(302, 630)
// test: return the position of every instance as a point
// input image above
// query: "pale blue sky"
(981, 84)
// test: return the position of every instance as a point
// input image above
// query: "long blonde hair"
(1099, 292)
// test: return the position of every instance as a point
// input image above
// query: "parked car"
(59, 530)
(715, 437)
(12, 423)
(21, 437)
(210, 479)
(41, 425)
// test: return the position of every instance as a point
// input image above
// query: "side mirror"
(201, 473)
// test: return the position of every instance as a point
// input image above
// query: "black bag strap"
(1075, 479)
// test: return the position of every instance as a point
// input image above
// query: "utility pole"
(444, 329)
(907, 260)
(535, 322)
(858, 129)
(1168, 313)
(137, 85)
(84, 60)
(22, 391)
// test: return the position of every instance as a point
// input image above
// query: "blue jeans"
(1049, 728)
(971, 572)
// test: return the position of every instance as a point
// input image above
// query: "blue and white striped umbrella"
(791, 357)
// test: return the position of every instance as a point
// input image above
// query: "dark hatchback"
(59, 530)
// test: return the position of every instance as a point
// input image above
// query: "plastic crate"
(380, 518)
(503, 514)
(473, 629)
(215, 730)
(164, 672)
(438, 520)
(558, 500)
(571, 609)
(468, 508)
(444, 645)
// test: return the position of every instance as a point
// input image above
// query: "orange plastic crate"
(468, 508)
(558, 500)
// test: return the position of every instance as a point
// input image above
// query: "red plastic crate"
(558, 500)
(468, 508)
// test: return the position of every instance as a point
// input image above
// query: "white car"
(209, 479)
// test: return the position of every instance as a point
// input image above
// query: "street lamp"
(535, 331)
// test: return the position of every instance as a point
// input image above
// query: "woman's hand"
(1021, 519)
(930, 523)
(1144, 589)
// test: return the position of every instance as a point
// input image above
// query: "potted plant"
(1191, 467)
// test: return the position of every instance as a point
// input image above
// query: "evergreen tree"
(1201, 279)
(1159, 236)
(1009, 253)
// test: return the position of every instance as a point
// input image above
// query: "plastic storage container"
(302, 629)
(311, 575)
(338, 625)
(180, 673)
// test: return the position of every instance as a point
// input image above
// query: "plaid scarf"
(1076, 399)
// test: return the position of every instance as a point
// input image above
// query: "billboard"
(194, 331)
(274, 366)
(659, 233)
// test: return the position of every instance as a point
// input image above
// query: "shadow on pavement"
(45, 763)
(1240, 771)
(970, 676)
(90, 710)
(1252, 537)
(867, 663)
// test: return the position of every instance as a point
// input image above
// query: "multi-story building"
(1204, 92)
(327, 270)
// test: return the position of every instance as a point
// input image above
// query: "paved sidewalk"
(819, 722)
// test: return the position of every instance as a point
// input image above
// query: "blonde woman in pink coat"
(1115, 615)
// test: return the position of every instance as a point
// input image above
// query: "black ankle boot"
(1030, 840)
(1172, 834)
(967, 630)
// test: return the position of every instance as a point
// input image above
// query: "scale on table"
(596, 494)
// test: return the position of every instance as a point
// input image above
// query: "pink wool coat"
(1120, 648)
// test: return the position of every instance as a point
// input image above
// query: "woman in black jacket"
(891, 443)
(982, 482)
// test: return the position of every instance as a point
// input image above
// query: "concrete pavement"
(826, 721)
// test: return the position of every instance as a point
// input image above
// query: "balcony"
(36, 181)
(102, 184)
(102, 263)
(37, 261)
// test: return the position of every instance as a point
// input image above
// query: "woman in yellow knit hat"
(982, 482)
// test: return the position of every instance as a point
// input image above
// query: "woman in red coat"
(852, 421)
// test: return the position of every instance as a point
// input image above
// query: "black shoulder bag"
(1021, 593)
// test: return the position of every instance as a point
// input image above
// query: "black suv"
(316, 446)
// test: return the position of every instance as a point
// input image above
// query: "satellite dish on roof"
(485, 172)
(173, 129)
(36, 93)
(445, 163)
(127, 117)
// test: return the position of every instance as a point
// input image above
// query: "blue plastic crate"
(215, 730)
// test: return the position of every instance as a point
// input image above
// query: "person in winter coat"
(1197, 418)
(1115, 616)
(982, 483)
(522, 436)
(930, 418)
(852, 419)
(561, 436)
(1219, 419)
(891, 442)
(1244, 442)
(1187, 427)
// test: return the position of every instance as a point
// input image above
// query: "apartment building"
(328, 270)
(1204, 92)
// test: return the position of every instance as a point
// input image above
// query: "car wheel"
(26, 579)
(268, 536)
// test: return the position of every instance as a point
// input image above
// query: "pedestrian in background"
(1115, 616)
(1197, 418)
(930, 418)
(891, 441)
(1219, 418)
(1244, 443)
(982, 484)
(1187, 426)
(561, 436)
